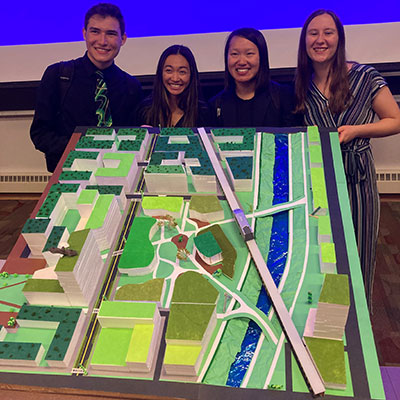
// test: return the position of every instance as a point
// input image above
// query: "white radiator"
(23, 182)
(388, 180)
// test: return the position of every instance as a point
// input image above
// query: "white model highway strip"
(256, 178)
(185, 216)
(306, 362)
(307, 222)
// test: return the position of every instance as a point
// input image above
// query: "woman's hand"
(347, 133)
(389, 123)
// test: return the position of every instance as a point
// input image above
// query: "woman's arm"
(389, 124)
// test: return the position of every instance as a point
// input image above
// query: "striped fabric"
(365, 82)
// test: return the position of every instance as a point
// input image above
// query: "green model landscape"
(173, 204)
(329, 357)
(205, 204)
(76, 241)
(228, 251)
(156, 284)
(147, 291)
(138, 251)
(335, 289)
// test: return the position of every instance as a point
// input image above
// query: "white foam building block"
(205, 183)
(166, 183)
(45, 273)
(80, 283)
(47, 298)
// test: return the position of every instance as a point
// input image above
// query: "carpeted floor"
(386, 296)
(13, 214)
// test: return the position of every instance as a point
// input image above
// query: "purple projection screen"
(38, 33)
(35, 22)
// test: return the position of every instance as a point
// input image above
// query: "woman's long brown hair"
(339, 88)
(159, 113)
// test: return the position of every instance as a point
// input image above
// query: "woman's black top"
(273, 107)
(204, 115)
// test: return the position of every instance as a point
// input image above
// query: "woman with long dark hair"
(175, 97)
(250, 98)
(334, 92)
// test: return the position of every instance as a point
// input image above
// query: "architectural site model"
(192, 263)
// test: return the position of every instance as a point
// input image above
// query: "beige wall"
(22, 168)
(386, 153)
(371, 43)
(17, 153)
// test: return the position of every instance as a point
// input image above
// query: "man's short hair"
(106, 10)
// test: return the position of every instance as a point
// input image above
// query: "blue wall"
(30, 22)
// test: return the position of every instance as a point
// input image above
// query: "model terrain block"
(148, 291)
(333, 307)
(228, 253)
(146, 264)
(206, 208)
(155, 206)
(191, 321)
(139, 256)
(208, 248)
(330, 359)
(128, 337)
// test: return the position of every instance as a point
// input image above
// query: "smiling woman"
(250, 98)
(243, 65)
(335, 93)
(322, 39)
(175, 98)
(176, 74)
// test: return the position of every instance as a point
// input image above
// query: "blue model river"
(277, 255)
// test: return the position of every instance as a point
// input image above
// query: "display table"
(279, 179)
